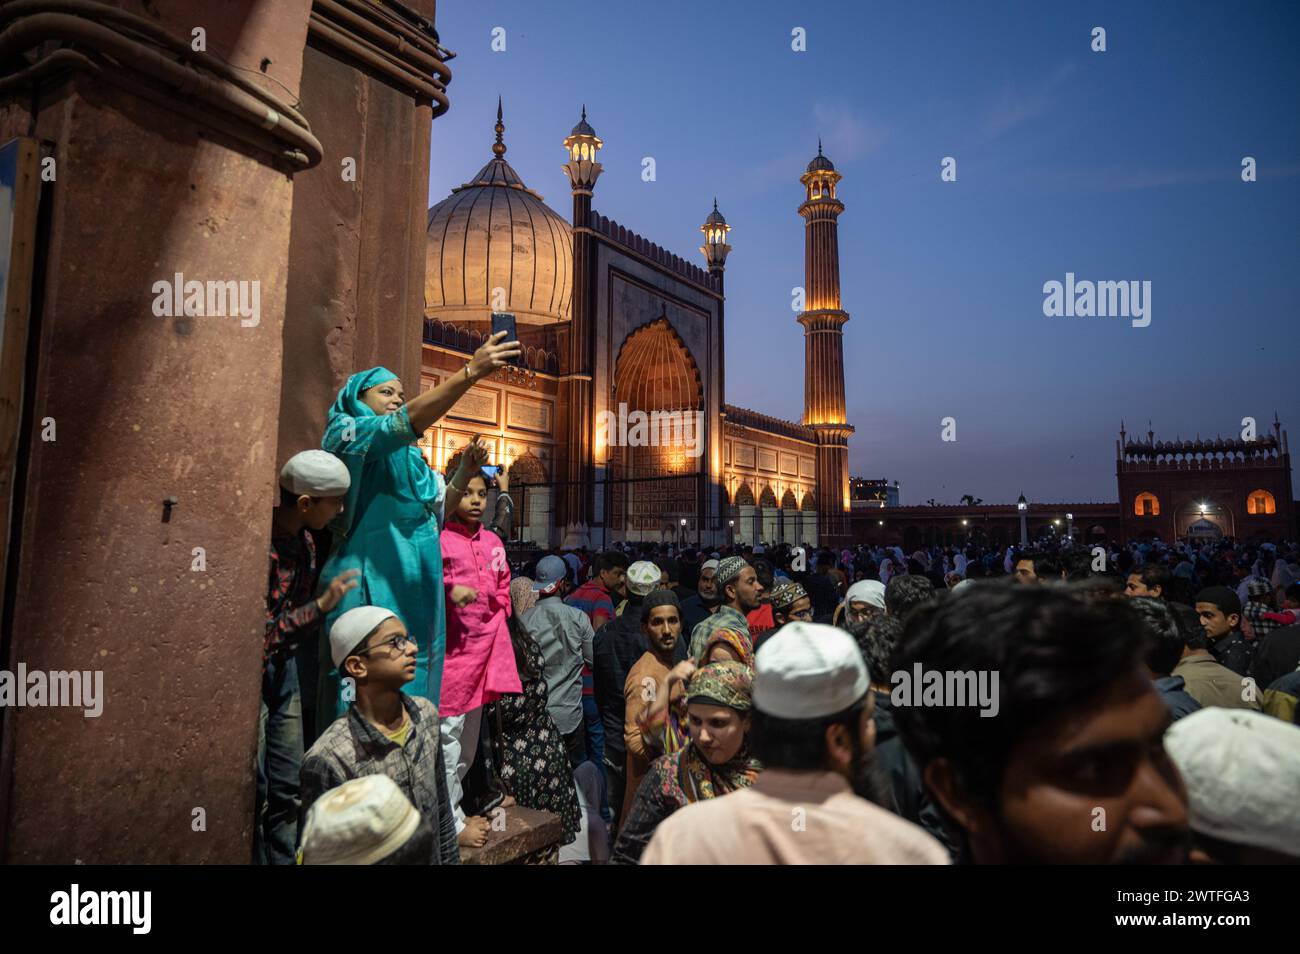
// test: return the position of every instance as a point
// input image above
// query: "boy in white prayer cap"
(365, 821)
(312, 486)
(384, 731)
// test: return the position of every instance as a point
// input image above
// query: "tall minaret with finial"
(823, 322)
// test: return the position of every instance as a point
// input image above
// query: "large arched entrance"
(655, 435)
(1204, 520)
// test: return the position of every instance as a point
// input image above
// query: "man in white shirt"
(813, 731)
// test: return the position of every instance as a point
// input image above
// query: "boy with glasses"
(384, 731)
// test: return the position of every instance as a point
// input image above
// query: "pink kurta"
(480, 662)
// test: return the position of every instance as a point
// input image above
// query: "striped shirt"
(594, 600)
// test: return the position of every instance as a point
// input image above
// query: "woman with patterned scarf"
(714, 761)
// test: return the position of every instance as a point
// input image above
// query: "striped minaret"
(823, 322)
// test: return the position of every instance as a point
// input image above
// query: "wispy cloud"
(1016, 107)
(1123, 179)
(846, 136)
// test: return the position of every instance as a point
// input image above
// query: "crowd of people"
(751, 704)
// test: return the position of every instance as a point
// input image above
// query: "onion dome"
(493, 232)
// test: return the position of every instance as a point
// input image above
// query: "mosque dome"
(495, 232)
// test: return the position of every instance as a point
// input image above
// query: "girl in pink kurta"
(480, 662)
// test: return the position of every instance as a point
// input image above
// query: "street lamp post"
(681, 535)
(1022, 505)
(1069, 527)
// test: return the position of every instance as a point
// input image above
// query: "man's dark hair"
(671, 566)
(1046, 565)
(798, 744)
(1078, 564)
(1164, 632)
(1098, 586)
(764, 570)
(1053, 653)
(419, 849)
(1225, 599)
(609, 560)
(1193, 632)
(877, 637)
(289, 499)
(904, 593)
(1153, 575)
(1292, 592)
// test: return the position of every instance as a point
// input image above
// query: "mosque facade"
(615, 427)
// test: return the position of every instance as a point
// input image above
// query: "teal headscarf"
(389, 531)
(349, 431)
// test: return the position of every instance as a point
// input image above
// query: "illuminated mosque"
(612, 323)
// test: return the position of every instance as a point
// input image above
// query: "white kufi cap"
(807, 671)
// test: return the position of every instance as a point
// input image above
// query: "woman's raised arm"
(427, 409)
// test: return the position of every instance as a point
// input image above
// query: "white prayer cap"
(642, 577)
(351, 629)
(709, 565)
(871, 592)
(808, 670)
(1242, 770)
(362, 821)
(316, 473)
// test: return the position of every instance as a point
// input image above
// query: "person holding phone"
(503, 511)
(389, 527)
(503, 322)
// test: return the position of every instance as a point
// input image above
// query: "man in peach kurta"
(806, 676)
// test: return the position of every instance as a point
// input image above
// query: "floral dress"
(534, 763)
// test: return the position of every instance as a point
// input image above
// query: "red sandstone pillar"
(150, 184)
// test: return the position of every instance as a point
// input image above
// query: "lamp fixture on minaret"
(715, 247)
(820, 177)
(582, 168)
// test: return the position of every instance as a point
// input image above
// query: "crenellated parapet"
(744, 417)
(654, 254)
(468, 340)
(1266, 451)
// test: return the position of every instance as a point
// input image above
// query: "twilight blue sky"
(1115, 166)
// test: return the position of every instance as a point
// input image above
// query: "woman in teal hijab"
(393, 512)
